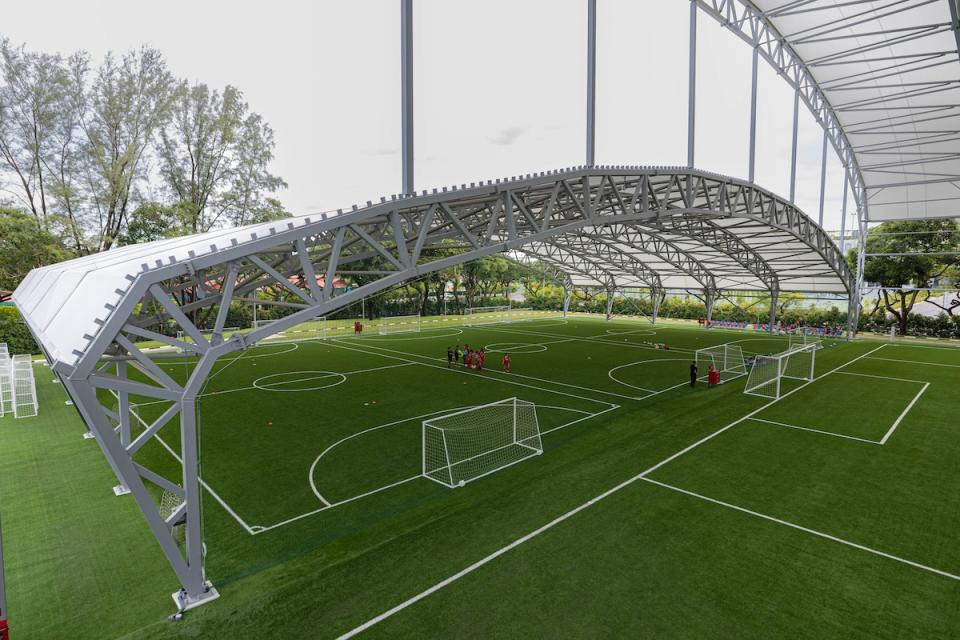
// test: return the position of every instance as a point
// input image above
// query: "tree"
(125, 106)
(33, 99)
(25, 246)
(155, 221)
(214, 156)
(928, 244)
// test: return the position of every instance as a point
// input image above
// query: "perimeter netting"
(726, 358)
(467, 445)
(768, 371)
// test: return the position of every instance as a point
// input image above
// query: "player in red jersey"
(505, 363)
(468, 359)
(481, 356)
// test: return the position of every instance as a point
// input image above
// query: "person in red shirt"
(468, 359)
(713, 376)
(481, 356)
(505, 363)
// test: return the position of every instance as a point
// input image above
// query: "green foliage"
(24, 245)
(15, 333)
(901, 276)
(155, 221)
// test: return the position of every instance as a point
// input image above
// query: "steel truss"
(612, 227)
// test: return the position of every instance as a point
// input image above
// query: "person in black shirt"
(449, 357)
(693, 373)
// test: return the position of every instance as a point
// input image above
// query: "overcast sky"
(499, 87)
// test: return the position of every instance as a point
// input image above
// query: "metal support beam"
(823, 176)
(753, 116)
(406, 94)
(567, 293)
(709, 299)
(610, 293)
(656, 298)
(793, 147)
(843, 215)
(591, 80)
(774, 294)
(692, 85)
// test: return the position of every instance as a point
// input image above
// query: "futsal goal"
(6, 380)
(802, 338)
(726, 358)
(466, 445)
(767, 371)
(473, 316)
(399, 324)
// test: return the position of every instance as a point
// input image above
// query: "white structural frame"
(697, 226)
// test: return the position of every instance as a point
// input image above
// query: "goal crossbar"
(399, 324)
(726, 358)
(768, 371)
(469, 444)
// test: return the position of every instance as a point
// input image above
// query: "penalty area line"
(820, 534)
(569, 514)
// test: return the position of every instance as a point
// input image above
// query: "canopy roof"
(890, 71)
(657, 227)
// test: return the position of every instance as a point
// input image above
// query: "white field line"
(206, 486)
(604, 338)
(826, 433)
(631, 364)
(814, 532)
(903, 415)
(503, 373)
(341, 345)
(955, 349)
(601, 338)
(296, 380)
(931, 364)
(569, 514)
(870, 375)
(336, 444)
(330, 505)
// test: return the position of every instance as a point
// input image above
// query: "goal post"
(726, 358)
(399, 324)
(466, 445)
(6, 381)
(473, 316)
(768, 371)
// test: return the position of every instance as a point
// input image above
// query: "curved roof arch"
(883, 80)
(659, 227)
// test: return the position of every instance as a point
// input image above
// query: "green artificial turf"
(721, 541)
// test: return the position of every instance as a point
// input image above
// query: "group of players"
(473, 360)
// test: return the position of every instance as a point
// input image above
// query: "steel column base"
(120, 490)
(89, 435)
(185, 601)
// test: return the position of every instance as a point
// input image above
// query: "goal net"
(802, 338)
(399, 324)
(469, 444)
(24, 387)
(473, 316)
(726, 358)
(767, 371)
(6, 381)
